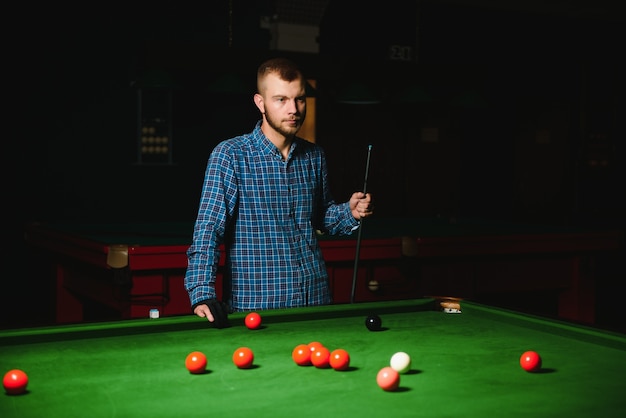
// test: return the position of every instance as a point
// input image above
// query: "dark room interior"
(509, 113)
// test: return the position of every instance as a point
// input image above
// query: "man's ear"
(260, 104)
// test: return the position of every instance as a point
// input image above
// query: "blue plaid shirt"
(266, 212)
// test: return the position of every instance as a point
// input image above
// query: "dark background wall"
(528, 106)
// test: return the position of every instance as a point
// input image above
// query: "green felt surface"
(463, 365)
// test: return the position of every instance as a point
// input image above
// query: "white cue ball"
(400, 362)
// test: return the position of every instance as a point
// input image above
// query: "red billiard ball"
(339, 359)
(243, 357)
(373, 323)
(15, 382)
(314, 345)
(388, 379)
(253, 320)
(301, 355)
(196, 362)
(530, 361)
(320, 357)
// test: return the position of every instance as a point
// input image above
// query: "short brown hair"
(285, 68)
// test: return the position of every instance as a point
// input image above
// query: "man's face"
(284, 104)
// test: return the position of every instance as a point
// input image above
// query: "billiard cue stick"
(358, 238)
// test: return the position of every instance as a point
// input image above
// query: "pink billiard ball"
(15, 382)
(388, 379)
(530, 361)
(253, 320)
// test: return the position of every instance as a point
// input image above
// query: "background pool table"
(105, 271)
(462, 365)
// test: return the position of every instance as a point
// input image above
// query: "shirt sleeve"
(217, 203)
(339, 220)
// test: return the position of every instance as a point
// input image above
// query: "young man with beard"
(264, 196)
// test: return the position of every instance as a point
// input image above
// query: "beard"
(285, 127)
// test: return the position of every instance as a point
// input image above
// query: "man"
(264, 196)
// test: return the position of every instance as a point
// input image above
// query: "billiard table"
(134, 267)
(463, 364)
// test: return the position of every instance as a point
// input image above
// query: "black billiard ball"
(373, 322)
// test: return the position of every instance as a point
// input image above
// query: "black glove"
(219, 312)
